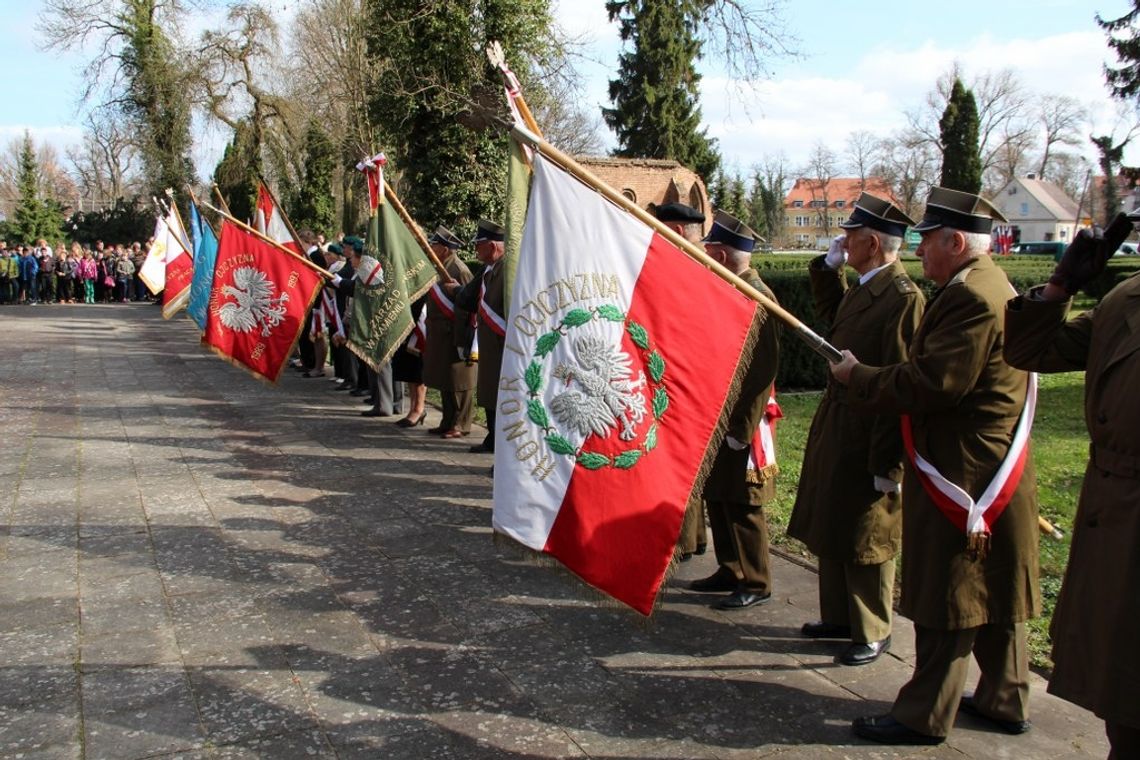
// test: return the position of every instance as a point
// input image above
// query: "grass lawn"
(1060, 450)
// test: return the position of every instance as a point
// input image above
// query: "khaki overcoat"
(444, 370)
(964, 402)
(1096, 625)
(490, 342)
(838, 514)
(730, 479)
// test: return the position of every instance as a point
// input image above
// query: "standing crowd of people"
(38, 273)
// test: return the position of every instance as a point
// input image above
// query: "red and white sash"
(763, 451)
(977, 517)
(497, 324)
(442, 302)
(326, 315)
(418, 339)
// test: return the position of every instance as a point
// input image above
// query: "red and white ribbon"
(977, 516)
(373, 169)
(764, 441)
(418, 339)
(497, 324)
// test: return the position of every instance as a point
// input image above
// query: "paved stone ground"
(197, 565)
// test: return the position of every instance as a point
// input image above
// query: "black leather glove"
(1087, 255)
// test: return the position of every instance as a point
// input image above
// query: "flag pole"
(166, 224)
(221, 200)
(803, 332)
(417, 233)
(196, 202)
(178, 215)
(319, 270)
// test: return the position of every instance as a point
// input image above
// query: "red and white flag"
(620, 354)
(168, 255)
(179, 268)
(271, 222)
(258, 302)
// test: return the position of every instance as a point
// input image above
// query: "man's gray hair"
(890, 244)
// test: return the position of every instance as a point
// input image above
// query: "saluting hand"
(836, 255)
(842, 370)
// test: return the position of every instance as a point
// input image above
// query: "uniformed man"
(485, 296)
(445, 370)
(848, 511)
(740, 483)
(969, 578)
(689, 223)
(1096, 625)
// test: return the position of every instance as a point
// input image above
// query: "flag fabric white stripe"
(573, 239)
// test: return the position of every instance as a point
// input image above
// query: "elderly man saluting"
(969, 576)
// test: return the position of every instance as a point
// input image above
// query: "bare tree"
(1004, 122)
(106, 163)
(909, 164)
(54, 183)
(860, 155)
(1012, 159)
(821, 168)
(747, 36)
(1062, 122)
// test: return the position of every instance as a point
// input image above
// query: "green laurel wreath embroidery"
(533, 377)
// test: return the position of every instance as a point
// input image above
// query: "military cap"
(679, 212)
(488, 230)
(878, 214)
(335, 248)
(354, 242)
(728, 230)
(445, 237)
(961, 211)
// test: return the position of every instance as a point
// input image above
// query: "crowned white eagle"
(254, 304)
(609, 397)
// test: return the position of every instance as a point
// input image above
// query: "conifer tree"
(33, 217)
(655, 112)
(313, 205)
(238, 173)
(961, 160)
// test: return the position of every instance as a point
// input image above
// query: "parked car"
(1052, 248)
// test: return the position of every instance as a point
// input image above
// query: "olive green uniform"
(444, 369)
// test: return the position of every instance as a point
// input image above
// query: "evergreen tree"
(655, 112)
(1124, 40)
(961, 160)
(238, 173)
(431, 102)
(718, 191)
(33, 217)
(737, 198)
(313, 204)
(754, 215)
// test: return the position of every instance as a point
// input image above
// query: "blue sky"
(863, 65)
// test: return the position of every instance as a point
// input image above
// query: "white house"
(1038, 209)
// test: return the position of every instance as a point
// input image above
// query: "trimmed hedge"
(786, 274)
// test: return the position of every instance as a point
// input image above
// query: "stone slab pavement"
(194, 564)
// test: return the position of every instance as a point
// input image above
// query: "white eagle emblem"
(254, 304)
(610, 396)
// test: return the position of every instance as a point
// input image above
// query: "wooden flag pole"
(196, 202)
(221, 200)
(178, 215)
(417, 233)
(498, 59)
(319, 270)
(803, 332)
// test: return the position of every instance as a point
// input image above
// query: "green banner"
(518, 190)
(381, 312)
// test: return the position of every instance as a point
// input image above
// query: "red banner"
(258, 303)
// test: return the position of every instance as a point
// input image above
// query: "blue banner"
(205, 248)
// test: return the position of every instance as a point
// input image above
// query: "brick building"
(650, 182)
(814, 209)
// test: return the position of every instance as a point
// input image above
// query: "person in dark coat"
(490, 306)
(848, 510)
(969, 568)
(445, 369)
(1096, 625)
(740, 483)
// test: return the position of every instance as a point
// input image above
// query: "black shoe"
(738, 600)
(700, 549)
(685, 557)
(343, 387)
(358, 393)
(715, 583)
(373, 413)
(481, 448)
(821, 630)
(864, 654)
(884, 729)
(1014, 727)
